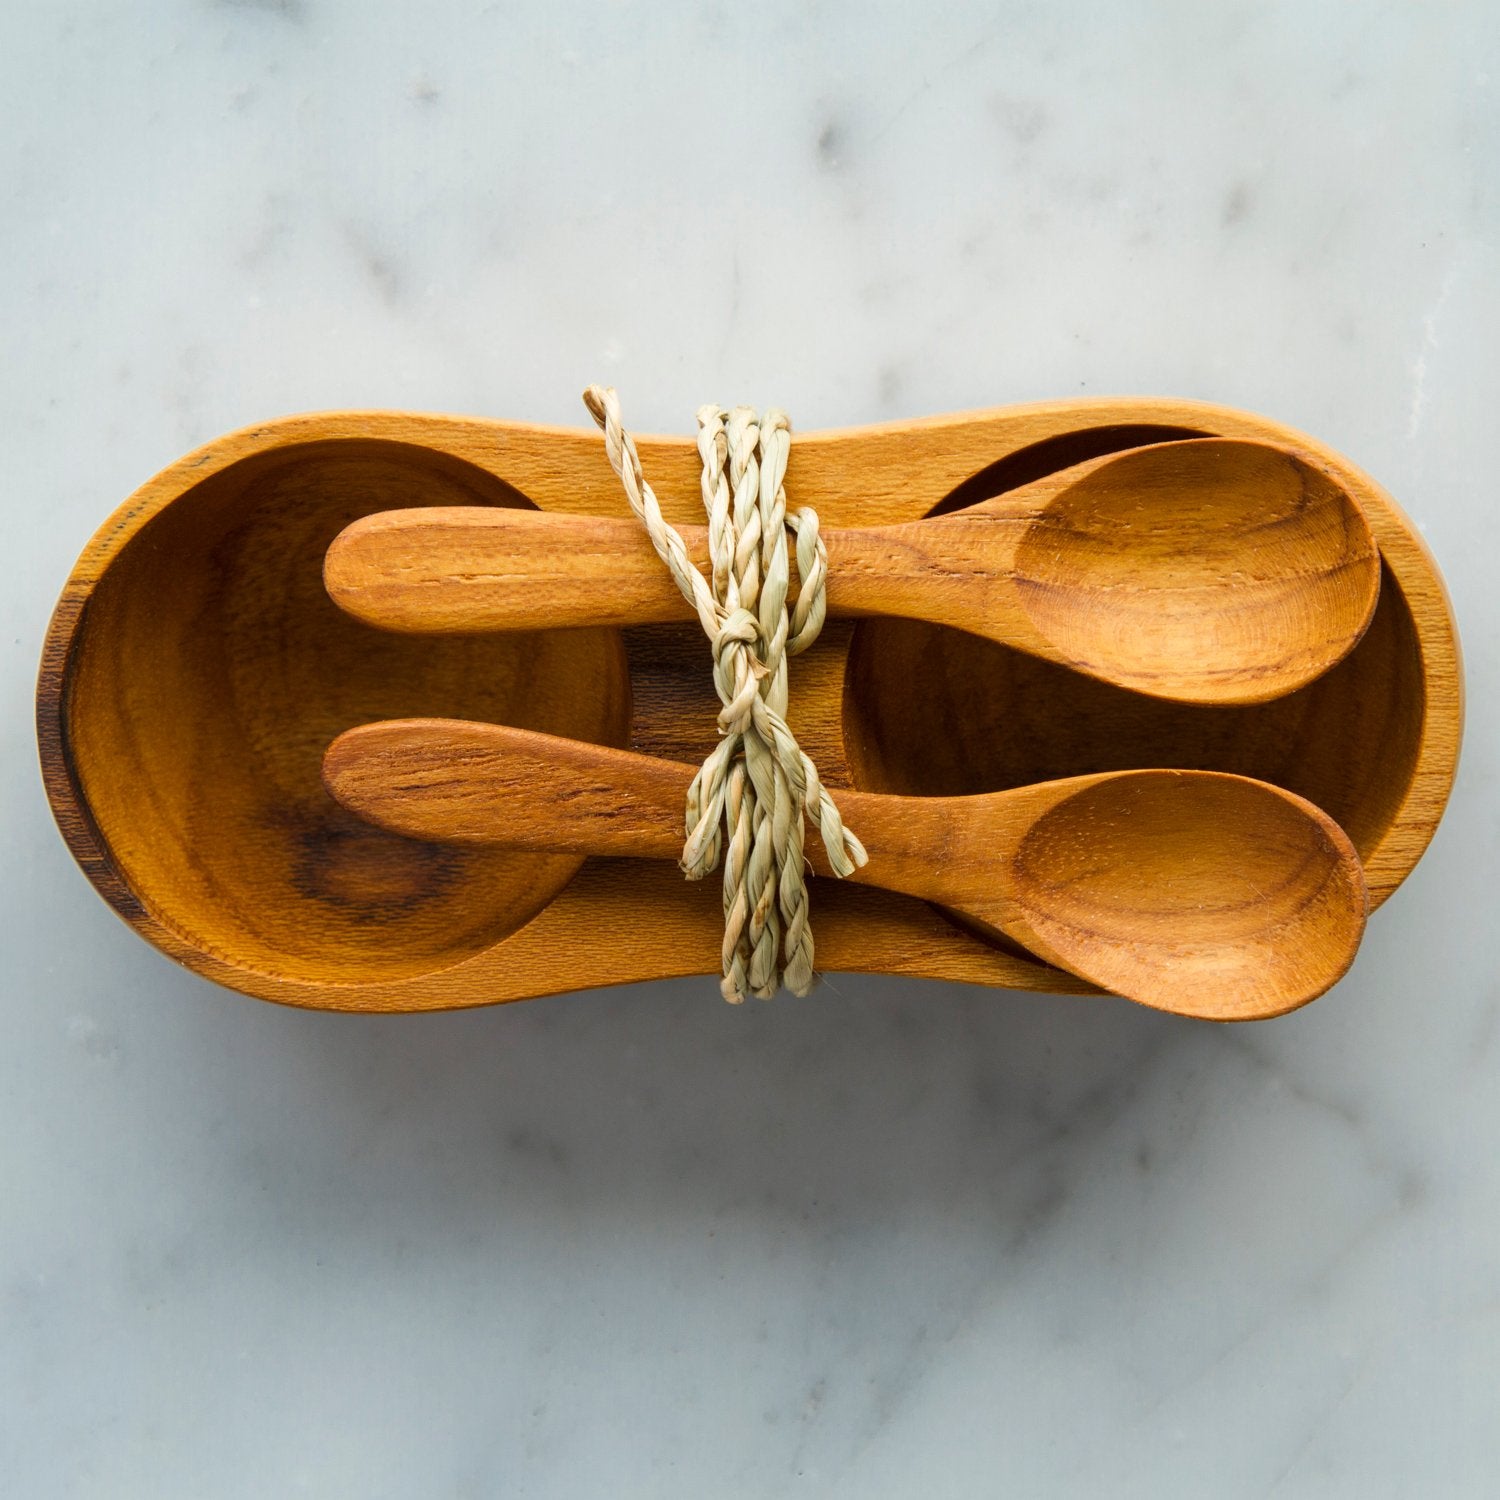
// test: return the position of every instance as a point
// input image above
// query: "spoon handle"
(455, 781)
(452, 780)
(458, 569)
(454, 569)
(461, 569)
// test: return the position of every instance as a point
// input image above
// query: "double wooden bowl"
(195, 671)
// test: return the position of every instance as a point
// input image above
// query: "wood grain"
(193, 645)
(1204, 571)
(1189, 891)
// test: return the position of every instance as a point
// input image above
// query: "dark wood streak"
(371, 875)
(75, 821)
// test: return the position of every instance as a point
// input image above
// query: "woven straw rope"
(748, 799)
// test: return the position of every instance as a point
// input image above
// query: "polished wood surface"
(1189, 891)
(1204, 571)
(194, 648)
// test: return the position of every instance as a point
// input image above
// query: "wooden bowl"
(194, 649)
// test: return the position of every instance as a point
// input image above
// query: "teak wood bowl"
(195, 671)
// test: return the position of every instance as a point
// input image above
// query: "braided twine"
(749, 796)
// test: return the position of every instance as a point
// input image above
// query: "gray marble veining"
(899, 1238)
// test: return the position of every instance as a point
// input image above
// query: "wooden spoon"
(1168, 887)
(1207, 571)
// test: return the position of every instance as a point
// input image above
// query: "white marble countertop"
(900, 1238)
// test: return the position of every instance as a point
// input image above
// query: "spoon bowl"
(1238, 569)
(1224, 884)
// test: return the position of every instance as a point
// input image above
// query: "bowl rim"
(934, 950)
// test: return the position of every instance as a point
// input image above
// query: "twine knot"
(747, 803)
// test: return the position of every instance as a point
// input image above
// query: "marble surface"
(900, 1238)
